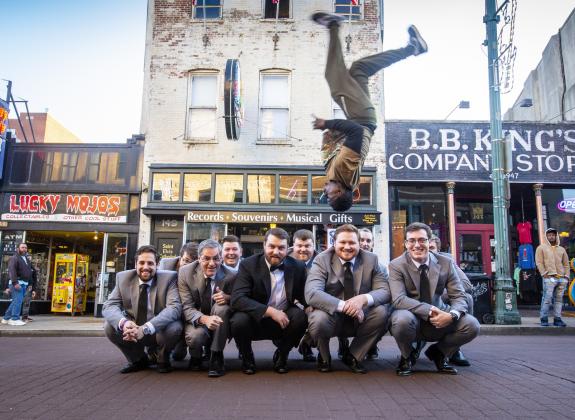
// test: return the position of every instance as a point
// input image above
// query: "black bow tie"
(280, 266)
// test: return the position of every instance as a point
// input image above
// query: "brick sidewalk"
(72, 378)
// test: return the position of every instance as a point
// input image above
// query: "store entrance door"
(475, 248)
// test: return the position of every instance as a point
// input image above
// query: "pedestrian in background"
(20, 272)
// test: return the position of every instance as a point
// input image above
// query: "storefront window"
(317, 186)
(197, 188)
(199, 232)
(559, 207)
(229, 188)
(474, 212)
(261, 189)
(364, 190)
(165, 187)
(293, 189)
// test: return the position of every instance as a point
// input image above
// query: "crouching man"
(143, 311)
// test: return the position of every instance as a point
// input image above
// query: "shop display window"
(261, 189)
(293, 189)
(559, 204)
(229, 188)
(198, 232)
(197, 188)
(317, 186)
(166, 187)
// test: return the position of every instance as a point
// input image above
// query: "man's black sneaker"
(558, 322)
(326, 19)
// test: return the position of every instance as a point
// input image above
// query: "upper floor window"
(276, 9)
(207, 9)
(347, 8)
(202, 108)
(274, 105)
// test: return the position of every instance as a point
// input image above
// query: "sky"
(83, 59)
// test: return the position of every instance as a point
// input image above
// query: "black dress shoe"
(280, 362)
(248, 363)
(404, 367)
(414, 356)
(437, 357)
(164, 367)
(216, 367)
(372, 353)
(323, 365)
(354, 365)
(458, 359)
(195, 364)
(343, 348)
(305, 350)
(135, 366)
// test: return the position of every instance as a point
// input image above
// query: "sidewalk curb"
(52, 333)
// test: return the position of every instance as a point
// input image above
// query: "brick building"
(199, 184)
(46, 129)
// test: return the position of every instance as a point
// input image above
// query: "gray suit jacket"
(169, 264)
(123, 301)
(404, 285)
(191, 285)
(324, 285)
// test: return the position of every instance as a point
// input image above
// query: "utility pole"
(505, 298)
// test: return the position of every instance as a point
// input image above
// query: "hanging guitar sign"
(234, 112)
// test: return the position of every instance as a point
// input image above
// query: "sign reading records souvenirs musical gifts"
(439, 151)
(83, 208)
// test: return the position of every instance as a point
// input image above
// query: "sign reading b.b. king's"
(83, 208)
(439, 151)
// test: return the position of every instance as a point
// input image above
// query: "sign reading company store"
(82, 208)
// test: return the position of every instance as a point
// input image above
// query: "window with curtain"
(274, 106)
(202, 108)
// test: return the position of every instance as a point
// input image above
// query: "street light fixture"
(525, 103)
(460, 105)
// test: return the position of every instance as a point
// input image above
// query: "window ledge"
(200, 141)
(219, 21)
(275, 142)
(280, 20)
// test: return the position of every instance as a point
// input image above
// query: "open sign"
(567, 205)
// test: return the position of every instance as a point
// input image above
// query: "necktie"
(348, 292)
(142, 314)
(206, 306)
(424, 291)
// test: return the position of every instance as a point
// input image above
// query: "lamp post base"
(506, 303)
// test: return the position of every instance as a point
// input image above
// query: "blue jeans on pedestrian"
(13, 311)
(553, 288)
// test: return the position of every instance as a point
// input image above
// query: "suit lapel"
(200, 282)
(265, 275)
(433, 274)
(135, 293)
(337, 268)
(153, 294)
(413, 272)
(357, 273)
(288, 279)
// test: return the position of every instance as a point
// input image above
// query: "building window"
(207, 9)
(229, 188)
(293, 189)
(274, 106)
(271, 9)
(317, 185)
(21, 165)
(346, 8)
(261, 189)
(198, 188)
(165, 187)
(202, 99)
(365, 191)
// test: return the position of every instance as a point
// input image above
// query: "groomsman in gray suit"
(144, 310)
(205, 287)
(417, 280)
(349, 294)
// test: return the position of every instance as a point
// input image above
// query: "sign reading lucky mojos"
(438, 151)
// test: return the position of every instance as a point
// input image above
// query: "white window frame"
(189, 135)
(286, 138)
(200, 19)
(360, 16)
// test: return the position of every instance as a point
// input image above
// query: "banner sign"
(83, 208)
(294, 218)
(439, 151)
(4, 110)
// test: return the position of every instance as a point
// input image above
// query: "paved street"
(74, 377)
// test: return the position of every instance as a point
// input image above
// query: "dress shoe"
(164, 367)
(135, 366)
(343, 349)
(152, 355)
(280, 362)
(323, 365)
(354, 365)
(305, 350)
(558, 322)
(458, 359)
(248, 363)
(404, 367)
(414, 356)
(195, 364)
(372, 353)
(326, 19)
(206, 354)
(437, 357)
(216, 367)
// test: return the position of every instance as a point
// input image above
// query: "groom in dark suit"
(265, 289)
(417, 280)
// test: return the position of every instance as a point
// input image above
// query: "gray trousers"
(349, 88)
(323, 326)
(200, 336)
(407, 328)
(165, 340)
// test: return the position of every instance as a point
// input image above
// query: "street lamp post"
(505, 300)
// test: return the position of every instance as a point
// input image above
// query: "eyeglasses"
(413, 241)
(215, 259)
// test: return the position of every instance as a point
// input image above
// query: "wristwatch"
(146, 330)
